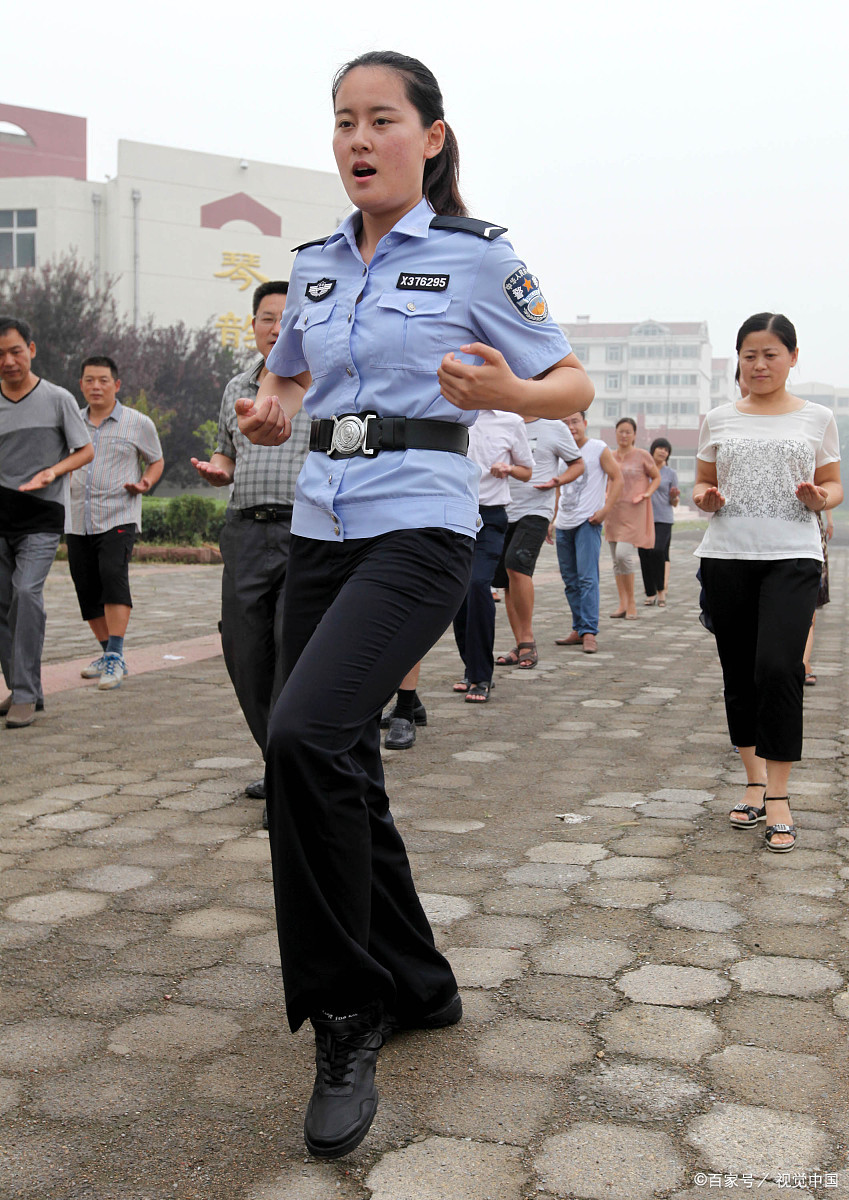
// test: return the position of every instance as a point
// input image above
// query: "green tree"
(171, 372)
(208, 434)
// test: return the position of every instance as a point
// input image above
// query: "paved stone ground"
(655, 1006)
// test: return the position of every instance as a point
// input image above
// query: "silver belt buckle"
(349, 435)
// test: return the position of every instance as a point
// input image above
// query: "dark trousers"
(653, 562)
(761, 613)
(474, 624)
(100, 568)
(359, 615)
(255, 556)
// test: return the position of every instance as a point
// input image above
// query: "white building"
(187, 236)
(660, 373)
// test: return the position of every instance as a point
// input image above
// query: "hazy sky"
(675, 160)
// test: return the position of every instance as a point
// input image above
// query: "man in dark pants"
(255, 538)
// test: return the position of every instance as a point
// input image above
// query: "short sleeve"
(829, 450)
(567, 447)
(150, 447)
(673, 477)
(509, 311)
(225, 444)
(707, 448)
(73, 425)
(287, 354)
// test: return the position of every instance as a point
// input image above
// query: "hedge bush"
(181, 520)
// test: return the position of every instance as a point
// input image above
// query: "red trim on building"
(240, 207)
(56, 145)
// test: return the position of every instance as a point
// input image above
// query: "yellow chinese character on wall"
(241, 268)
(230, 327)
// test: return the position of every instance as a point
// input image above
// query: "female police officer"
(389, 331)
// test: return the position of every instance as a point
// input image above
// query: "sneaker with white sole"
(95, 668)
(113, 673)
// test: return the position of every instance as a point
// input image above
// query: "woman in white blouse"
(766, 465)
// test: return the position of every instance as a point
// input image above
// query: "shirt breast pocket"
(314, 326)
(413, 331)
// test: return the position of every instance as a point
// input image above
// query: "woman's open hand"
(813, 497)
(263, 422)
(711, 500)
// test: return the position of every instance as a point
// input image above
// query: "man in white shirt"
(499, 445)
(581, 510)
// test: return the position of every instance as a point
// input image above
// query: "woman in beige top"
(630, 524)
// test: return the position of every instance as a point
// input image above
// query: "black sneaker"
(419, 716)
(439, 1018)
(344, 1098)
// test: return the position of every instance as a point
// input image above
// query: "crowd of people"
(412, 433)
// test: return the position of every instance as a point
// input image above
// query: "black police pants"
(761, 612)
(359, 615)
(255, 555)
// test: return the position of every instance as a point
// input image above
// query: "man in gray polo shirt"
(105, 513)
(255, 538)
(42, 438)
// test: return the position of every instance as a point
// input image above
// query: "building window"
(581, 352)
(613, 354)
(664, 380)
(614, 382)
(17, 237)
(611, 410)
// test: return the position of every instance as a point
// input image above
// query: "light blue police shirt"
(372, 338)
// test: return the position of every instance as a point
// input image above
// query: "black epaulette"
(303, 245)
(469, 225)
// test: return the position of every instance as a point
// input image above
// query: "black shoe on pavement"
(447, 1014)
(256, 790)
(344, 1098)
(419, 716)
(401, 734)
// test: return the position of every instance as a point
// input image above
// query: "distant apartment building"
(663, 374)
(187, 236)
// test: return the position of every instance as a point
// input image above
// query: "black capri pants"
(761, 613)
(359, 615)
(100, 568)
(653, 562)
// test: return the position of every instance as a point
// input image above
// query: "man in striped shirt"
(104, 514)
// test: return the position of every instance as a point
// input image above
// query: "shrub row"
(181, 520)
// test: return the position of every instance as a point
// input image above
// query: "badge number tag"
(408, 281)
(320, 289)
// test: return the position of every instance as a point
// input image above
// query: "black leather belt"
(267, 512)
(368, 434)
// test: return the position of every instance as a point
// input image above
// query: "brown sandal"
(508, 660)
(530, 658)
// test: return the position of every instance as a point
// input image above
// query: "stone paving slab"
(652, 1001)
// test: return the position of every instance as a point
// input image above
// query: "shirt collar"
(255, 370)
(115, 415)
(415, 223)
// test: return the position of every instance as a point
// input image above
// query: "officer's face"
(379, 142)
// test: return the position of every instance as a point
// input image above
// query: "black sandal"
(478, 693)
(771, 830)
(753, 815)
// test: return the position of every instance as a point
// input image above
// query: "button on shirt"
(498, 437)
(122, 442)
(263, 474)
(372, 341)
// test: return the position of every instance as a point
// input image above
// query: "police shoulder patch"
(523, 291)
(319, 289)
(469, 225)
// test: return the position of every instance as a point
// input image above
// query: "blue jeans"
(577, 555)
